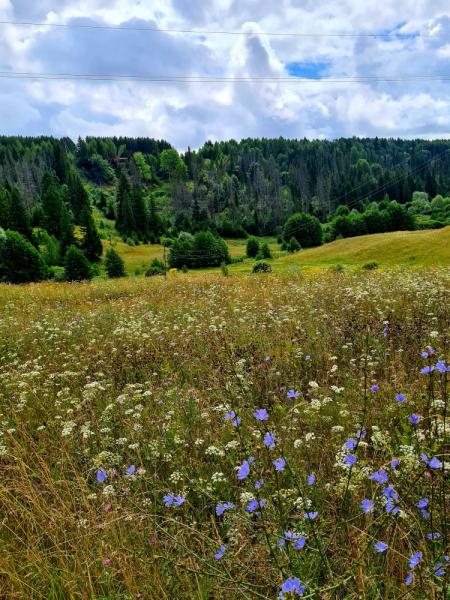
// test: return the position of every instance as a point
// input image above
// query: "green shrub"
(306, 229)
(20, 262)
(156, 268)
(184, 269)
(284, 246)
(370, 266)
(337, 268)
(76, 265)
(280, 239)
(237, 259)
(224, 269)
(252, 247)
(202, 250)
(114, 264)
(130, 242)
(265, 251)
(58, 274)
(293, 246)
(261, 267)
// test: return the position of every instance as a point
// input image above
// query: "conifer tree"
(19, 218)
(154, 220)
(52, 207)
(91, 243)
(123, 188)
(127, 215)
(76, 265)
(61, 164)
(4, 208)
(67, 231)
(78, 196)
(140, 214)
(20, 262)
(114, 265)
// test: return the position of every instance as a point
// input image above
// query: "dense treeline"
(329, 189)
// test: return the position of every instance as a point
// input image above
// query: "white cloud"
(188, 114)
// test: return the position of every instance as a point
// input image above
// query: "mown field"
(409, 248)
(216, 437)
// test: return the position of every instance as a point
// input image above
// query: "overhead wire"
(215, 32)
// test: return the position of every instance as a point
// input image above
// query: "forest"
(313, 191)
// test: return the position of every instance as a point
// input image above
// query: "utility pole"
(165, 268)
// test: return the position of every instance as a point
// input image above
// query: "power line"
(195, 32)
(214, 79)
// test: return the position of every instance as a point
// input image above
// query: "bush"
(284, 246)
(184, 269)
(294, 246)
(224, 269)
(237, 259)
(261, 267)
(130, 242)
(203, 250)
(156, 268)
(114, 265)
(265, 251)
(280, 239)
(337, 268)
(76, 265)
(58, 274)
(306, 229)
(252, 247)
(20, 262)
(370, 266)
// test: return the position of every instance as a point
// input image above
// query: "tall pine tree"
(4, 208)
(19, 218)
(123, 188)
(52, 207)
(78, 197)
(91, 243)
(140, 214)
(67, 231)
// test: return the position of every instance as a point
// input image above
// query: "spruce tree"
(123, 188)
(127, 225)
(78, 196)
(76, 265)
(114, 265)
(61, 164)
(19, 218)
(154, 220)
(140, 214)
(4, 208)
(91, 243)
(67, 231)
(52, 207)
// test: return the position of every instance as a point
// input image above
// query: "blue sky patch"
(307, 69)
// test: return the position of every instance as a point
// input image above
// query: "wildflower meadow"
(209, 437)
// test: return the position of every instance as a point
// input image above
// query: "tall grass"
(234, 437)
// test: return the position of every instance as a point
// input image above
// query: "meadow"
(251, 436)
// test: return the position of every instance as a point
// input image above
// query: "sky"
(188, 114)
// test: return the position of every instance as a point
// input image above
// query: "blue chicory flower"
(374, 388)
(292, 585)
(290, 535)
(400, 398)
(300, 543)
(292, 394)
(220, 553)
(269, 440)
(415, 418)
(350, 444)
(424, 355)
(441, 367)
(423, 503)
(258, 484)
(279, 464)
(361, 433)
(221, 508)
(178, 500)
(368, 506)
(101, 475)
(439, 571)
(380, 546)
(390, 507)
(252, 506)
(168, 499)
(427, 370)
(130, 471)
(409, 578)
(261, 414)
(380, 476)
(244, 470)
(350, 460)
(311, 479)
(434, 463)
(311, 515)
(434, 536)
(415, 560)
(389, 492)
(394, 463)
